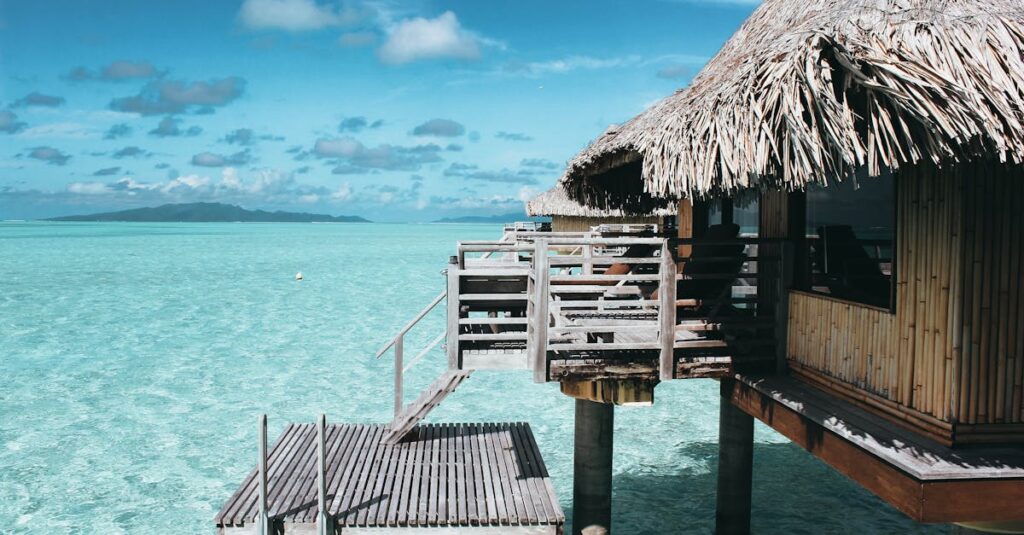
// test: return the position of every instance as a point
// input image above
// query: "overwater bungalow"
(568, 215)
(874, 317)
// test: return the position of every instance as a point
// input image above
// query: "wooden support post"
(796, 213)
(588, 255)
(399, 357)
(541, 298)
(684, 226)
(735, 466)
(727, 211)
(701, 219)
(454, 355)
(322, 521)
(592, 468)
(667, 314)
(785, 283)
(263, 526)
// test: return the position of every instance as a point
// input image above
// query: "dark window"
(850, 233)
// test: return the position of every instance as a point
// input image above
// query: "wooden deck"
(467, 476)
(923, 478)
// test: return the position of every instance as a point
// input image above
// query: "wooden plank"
(302, 499)
(281, 481)
(399, 488)
(407, 515)
(446, 510)
(532, 473)
(557, 515)
(382, 475)
(506, 501)
(436, 473)
(348, 466)
(355, 495)
(492, 489)
(471, 475)
(510, 475)
(338, 449)
(426, 476)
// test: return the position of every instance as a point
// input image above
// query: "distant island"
(500, 218)
(209, 212)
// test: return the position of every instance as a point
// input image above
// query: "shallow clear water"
(135, 358)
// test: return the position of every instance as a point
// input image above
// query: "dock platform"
(449, 478)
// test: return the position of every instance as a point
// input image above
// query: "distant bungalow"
(881, 143)
(568, 215)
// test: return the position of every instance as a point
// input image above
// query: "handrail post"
(263, 520)
(321, 475)
(588, 263)
(399, 350)
(667, 313)
(452, 343)
(540, 308)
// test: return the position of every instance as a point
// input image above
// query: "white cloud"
(88, 188)
(526, 193)
(229, 178)
(343, 193)
(573, 63)
(298, 15)
(421, 38)
(343, 147)
(292, 15)
(66, 130)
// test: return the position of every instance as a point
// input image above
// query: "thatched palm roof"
(808, 91)
(555, 201)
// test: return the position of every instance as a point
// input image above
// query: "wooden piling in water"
(735, 466)
(592, 468)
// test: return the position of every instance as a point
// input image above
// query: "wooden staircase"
(431, 397)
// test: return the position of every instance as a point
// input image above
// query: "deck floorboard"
(445, 475)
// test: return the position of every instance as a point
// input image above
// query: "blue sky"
(396, 111)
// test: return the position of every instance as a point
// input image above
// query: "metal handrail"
(426, 310)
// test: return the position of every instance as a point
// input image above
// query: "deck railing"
(552, 293)
(264, 522)
(570, 277)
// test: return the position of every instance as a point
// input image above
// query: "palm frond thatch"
(810, 91)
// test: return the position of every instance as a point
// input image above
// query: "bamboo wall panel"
(582, 224)
(988, 332)
(849, 342)
(954, 349)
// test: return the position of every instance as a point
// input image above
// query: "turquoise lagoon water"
(135, 358)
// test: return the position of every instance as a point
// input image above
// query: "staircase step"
(431, 397)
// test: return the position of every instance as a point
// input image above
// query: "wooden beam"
(945, 501)
(611, 391)
(702, 367)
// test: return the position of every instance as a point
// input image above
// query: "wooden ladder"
(431, 397)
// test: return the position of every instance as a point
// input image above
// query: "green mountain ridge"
(209, 212)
